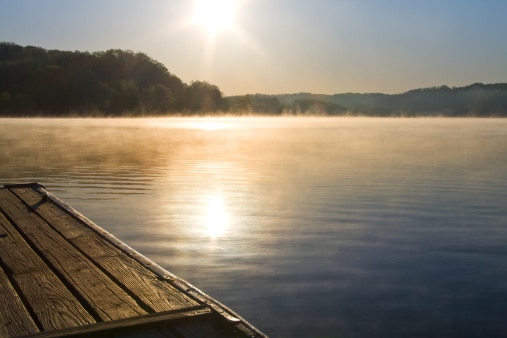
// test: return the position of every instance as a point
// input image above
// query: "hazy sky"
(284, 46)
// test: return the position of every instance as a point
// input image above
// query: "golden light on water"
(194, 123)
(216, 219)
(210, 125)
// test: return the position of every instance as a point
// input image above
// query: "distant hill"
(474, 100)
(480, 100)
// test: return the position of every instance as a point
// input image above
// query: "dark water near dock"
(320, 227)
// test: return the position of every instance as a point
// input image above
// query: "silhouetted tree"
(158, 98)
(202, 96)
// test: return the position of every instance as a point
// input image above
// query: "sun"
(216, 24)
(215, 16)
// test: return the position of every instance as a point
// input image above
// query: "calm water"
(323, 227)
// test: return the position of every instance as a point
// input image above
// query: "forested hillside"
(35, 81)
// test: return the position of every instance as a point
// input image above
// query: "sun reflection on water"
(209, 125)
(216, 219)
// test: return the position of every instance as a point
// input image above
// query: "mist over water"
(308, 227)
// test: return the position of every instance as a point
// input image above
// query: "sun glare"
(215, 15)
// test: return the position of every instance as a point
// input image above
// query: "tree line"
(113, 83)
(36, 81)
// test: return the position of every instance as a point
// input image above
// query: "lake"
(308, 227)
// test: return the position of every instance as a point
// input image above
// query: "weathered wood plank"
(142, 324)
(52, 303)
(104, 297)
(14, 317)
(157, 294)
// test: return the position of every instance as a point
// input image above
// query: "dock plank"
(15, 320)
(52, 303)
(106, 299)
(158, 294)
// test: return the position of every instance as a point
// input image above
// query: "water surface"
(309, 227)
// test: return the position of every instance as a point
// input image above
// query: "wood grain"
(14, 317)
(51, 302)
(102, 295)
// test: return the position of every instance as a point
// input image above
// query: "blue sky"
(285, 46)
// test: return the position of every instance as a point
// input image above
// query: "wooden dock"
(62, 275)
